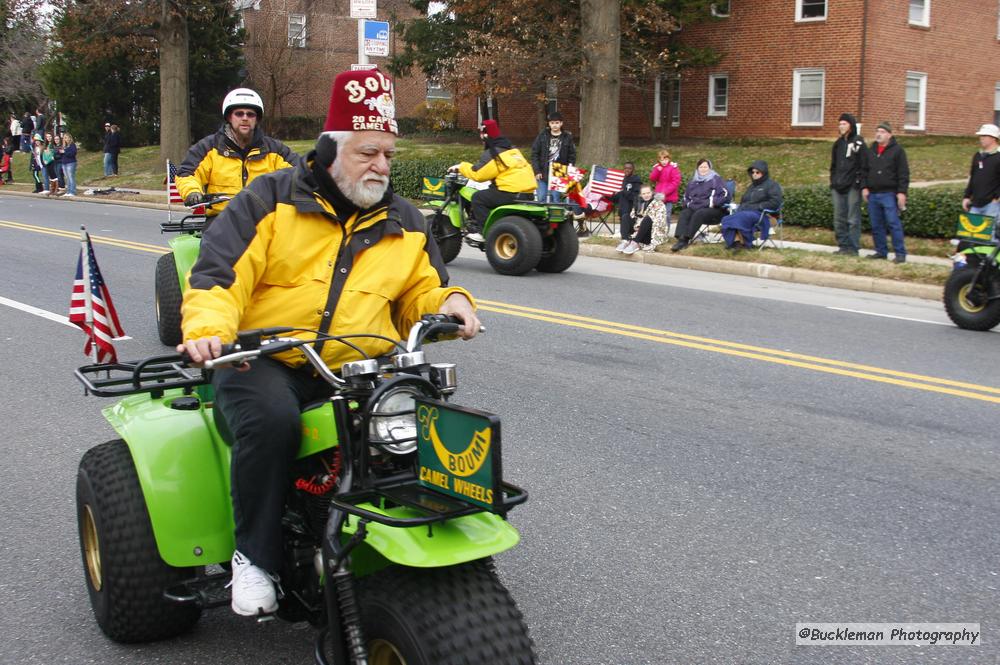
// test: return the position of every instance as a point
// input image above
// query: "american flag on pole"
(90, 306)
(174, 196)
(605, 181)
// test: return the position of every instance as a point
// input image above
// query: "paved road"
(711, 459)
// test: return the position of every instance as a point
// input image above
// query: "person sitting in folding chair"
(764, 195)
(705, 198)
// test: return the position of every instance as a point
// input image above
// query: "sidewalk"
(748, 269)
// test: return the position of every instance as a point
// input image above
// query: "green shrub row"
(406, 174)
(931, 212)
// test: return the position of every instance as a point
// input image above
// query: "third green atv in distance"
(518, 237)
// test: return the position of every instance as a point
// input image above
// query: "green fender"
(183, 468)
(185, 247)
(985, 250)
(447, 544)
(453, 212)
(532, 211)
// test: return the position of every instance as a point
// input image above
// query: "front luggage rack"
(437, 507)
(152, 375)
(187, 224)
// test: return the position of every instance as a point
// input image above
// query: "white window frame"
(800, 19)
(796, 90)
(925, 22)
(675, 104)
(996, 104)
(712, 78)
(657, 106)
(297, 39)
(719, 12)
(922, 77)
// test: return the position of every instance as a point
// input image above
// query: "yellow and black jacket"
(514, 174)
(216, 165)
(284, 256)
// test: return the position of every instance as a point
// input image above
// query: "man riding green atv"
(516, 233)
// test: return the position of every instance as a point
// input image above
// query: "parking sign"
(377, 38)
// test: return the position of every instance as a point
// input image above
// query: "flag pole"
(87, 294)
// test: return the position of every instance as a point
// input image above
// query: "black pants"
(644, 235)
(262, 409)
(486, 200)
(691, 220)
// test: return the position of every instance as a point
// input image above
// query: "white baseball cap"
(989, 130)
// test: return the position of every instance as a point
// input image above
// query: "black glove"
(193, 199)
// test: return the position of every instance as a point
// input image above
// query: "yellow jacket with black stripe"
(513, 175)
(281, 255)
(216, 165)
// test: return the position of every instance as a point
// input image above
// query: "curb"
(760, 270)
(88, 199)
(768, 271)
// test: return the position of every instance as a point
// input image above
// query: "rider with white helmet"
(225, 162)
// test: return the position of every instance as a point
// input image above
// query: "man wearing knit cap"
(323, 246)
(982, 194)
(506, 167)
(884, 188)
(847, 164)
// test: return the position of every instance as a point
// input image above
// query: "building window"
(675, 103)
(551, 96)
(920, 12)
(718, 94)
(916, 98)
(810, 10)
(435, 92)
(721, 9)
(297, 30)
(996, 105)
(807, 97)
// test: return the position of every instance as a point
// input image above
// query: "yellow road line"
(854, 370)
(75, 235)
(815, 363)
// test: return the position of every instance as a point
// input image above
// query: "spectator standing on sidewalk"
(69, 163)
(116, 147)
(27, 127)
(108, 158)
(884, 189)
(982, 194)
(848, 161)
(551, 145)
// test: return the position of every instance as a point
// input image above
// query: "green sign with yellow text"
(975, 227)
(458, 452)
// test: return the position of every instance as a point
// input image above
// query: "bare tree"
(600, 83)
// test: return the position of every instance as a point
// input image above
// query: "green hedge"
(406, 174)
(931, 212)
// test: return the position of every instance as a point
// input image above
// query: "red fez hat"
(362, 101)
(491, 128)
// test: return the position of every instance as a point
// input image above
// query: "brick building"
(295, 48)
(791, 67)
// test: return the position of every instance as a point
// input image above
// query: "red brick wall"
(762, 45)
(331, 47)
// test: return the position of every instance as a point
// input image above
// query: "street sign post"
(376, 38)
(363, 9)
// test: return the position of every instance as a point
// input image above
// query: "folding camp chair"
(706, 233)
(775, 224)
(600, 213)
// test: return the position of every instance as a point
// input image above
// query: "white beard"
(366, 192)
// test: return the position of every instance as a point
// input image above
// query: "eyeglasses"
(245, 114)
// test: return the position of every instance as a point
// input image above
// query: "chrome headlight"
(393, 419)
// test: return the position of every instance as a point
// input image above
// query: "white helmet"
(242, 98)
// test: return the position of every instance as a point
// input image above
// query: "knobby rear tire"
(124, 573)
(168, 301)
(965, 313)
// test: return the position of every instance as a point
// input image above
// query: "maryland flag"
(566, 179)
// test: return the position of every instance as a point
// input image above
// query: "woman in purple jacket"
(705, 198)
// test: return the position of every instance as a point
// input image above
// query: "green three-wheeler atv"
(972, 292)
(394, 510)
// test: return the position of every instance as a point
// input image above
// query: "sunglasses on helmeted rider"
(245, 114)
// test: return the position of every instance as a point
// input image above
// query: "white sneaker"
(621, 246)
(631, 248)
(476, 237)
(252, 588)
(70, 195)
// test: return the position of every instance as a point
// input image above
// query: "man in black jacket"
(626, 199)
(848, 161)
(982, 194)
(552, 145)
(763, 194)
(884, 188)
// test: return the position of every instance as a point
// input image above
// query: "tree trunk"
(599, 92)
(175, 120)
